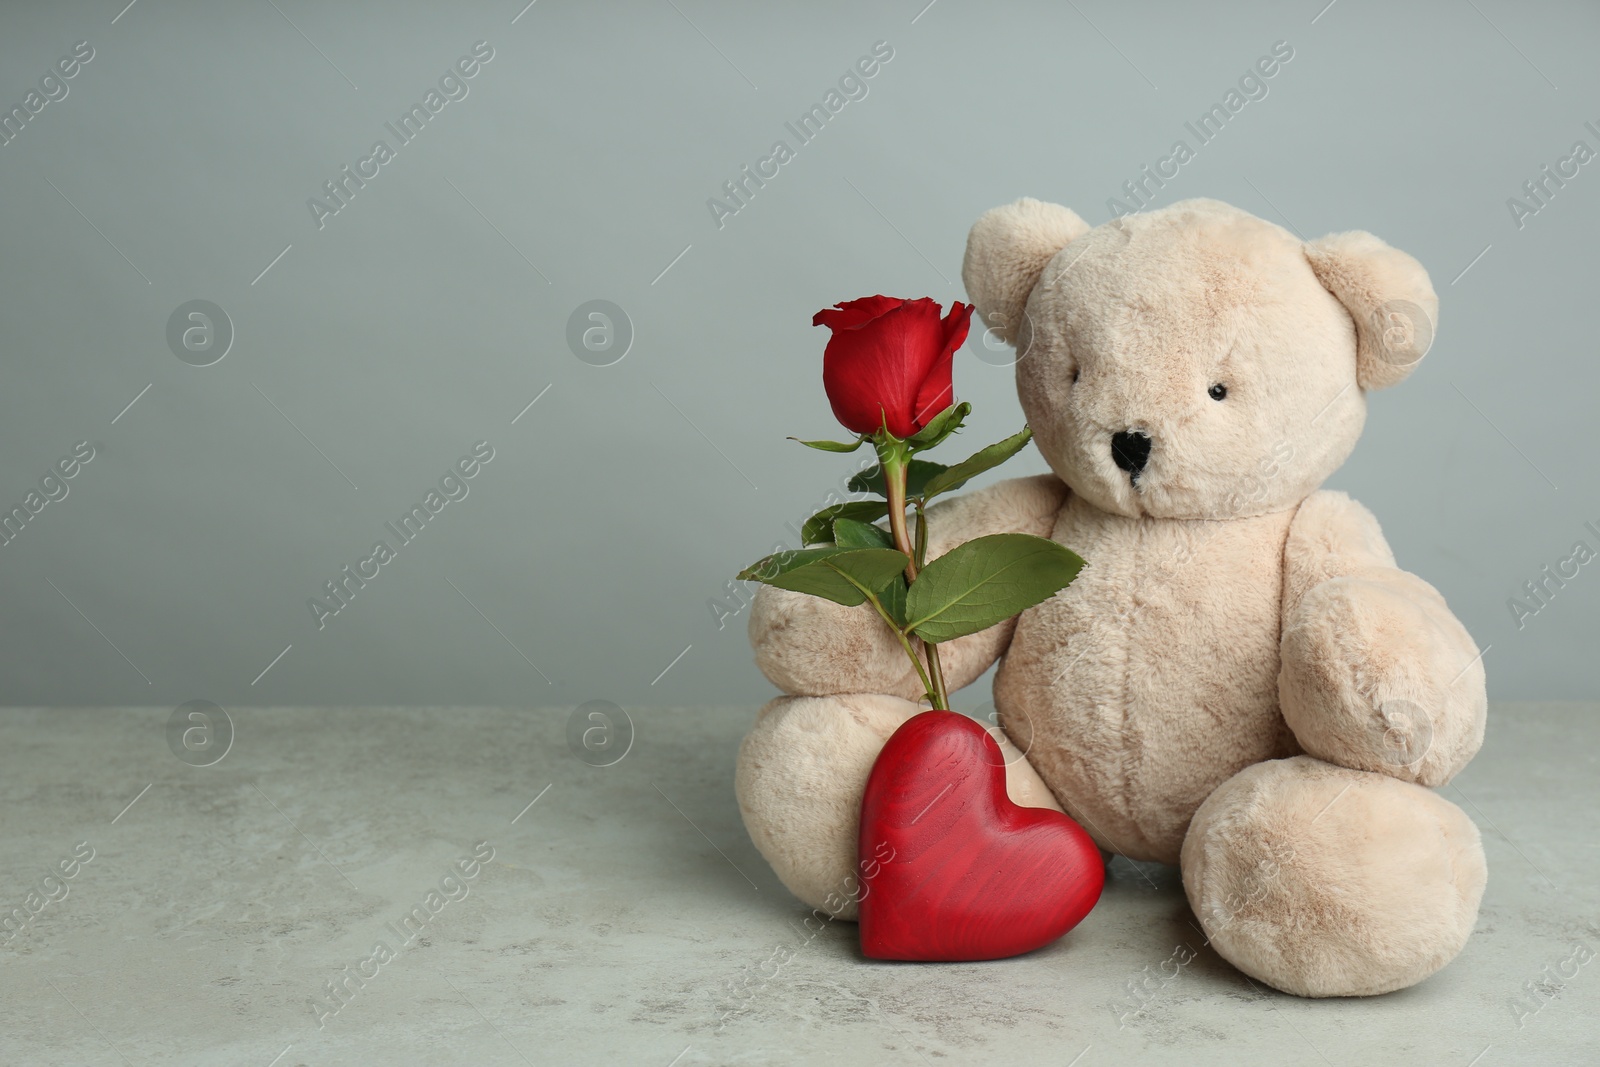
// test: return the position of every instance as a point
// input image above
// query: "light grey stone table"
(625, 917)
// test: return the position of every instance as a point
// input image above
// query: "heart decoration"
(952, 870)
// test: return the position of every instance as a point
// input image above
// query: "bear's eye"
(1074, 375)
(1218, 391)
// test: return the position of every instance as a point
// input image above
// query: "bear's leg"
(1323, 881)
(802, 770)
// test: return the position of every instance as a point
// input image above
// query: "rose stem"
(894, 466)
(905, 643)
(934, 667)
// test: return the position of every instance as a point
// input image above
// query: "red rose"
(889, 361)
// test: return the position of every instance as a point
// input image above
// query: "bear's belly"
(1153, 678)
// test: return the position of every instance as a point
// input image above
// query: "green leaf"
(842, 575)
(893, 598)
(833, 446)
(984, 459)
(918, 471)
(850, 533)
(985, 581)
(939, 427)
(819, 527)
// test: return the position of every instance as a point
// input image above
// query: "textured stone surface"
(625, 915)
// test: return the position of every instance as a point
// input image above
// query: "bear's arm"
(808, 646)
(1377, 674)
(1332, 536)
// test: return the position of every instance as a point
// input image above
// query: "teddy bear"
(1241, 681)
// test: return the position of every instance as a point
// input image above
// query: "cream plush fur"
(1241, 680)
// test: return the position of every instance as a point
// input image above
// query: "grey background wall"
(373, 349)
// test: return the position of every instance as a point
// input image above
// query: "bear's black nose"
(1130, 450)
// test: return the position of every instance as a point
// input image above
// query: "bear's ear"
(1389, 296)
(1007, 250)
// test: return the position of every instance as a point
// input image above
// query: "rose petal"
(853, 314)
(873, 376)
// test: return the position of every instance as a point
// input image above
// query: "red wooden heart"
(951, 868)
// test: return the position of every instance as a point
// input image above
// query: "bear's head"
(1194, 362)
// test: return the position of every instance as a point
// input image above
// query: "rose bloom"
(889, 361)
